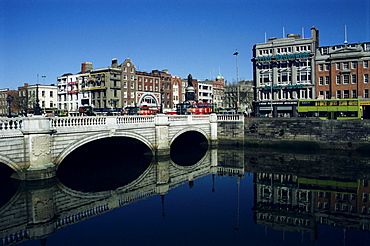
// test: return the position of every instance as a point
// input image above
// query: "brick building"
(342, 71)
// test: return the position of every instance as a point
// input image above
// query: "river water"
(225, 196)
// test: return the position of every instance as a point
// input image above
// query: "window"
(354, 65)
(338, 79)
(354, 78)
(339, 94)
(346, 79)
(337, 66)
(327, 94)
(366, 64)
(346, 94)
(354, 93)
(366, 93)
(327, 67)
(345, 65)
(321, 67)
(321, 80)
(366, 78)
(51, 94)
(327, 80)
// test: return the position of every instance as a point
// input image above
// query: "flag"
(236, 53)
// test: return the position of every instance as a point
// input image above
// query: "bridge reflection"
(89, 185)
(292, 192)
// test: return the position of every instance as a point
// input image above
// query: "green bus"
(341, 109)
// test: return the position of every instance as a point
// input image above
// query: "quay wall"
(301, 133)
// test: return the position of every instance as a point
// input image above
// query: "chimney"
(114, 62)
(86, 66)
(315, 36)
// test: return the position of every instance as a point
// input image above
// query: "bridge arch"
(69, 149)
(14, 166)
(190, 129)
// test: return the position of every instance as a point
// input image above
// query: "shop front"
(276, 109)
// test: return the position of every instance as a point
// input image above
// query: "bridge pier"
(213, 125)
(38, 141)
(161, 136)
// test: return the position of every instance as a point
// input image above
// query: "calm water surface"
(209, 197)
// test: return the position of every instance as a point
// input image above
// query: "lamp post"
(162, 92)
(37, 109)
(237, 77)
(272, 109)
(9, 100)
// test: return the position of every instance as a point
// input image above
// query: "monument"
(190, 91)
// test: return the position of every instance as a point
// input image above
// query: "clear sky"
(53, 37)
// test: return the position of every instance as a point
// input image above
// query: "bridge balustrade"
(135, 119)
(10, 124)
(229, 117)
(77, 121)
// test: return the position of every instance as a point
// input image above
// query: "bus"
(61, 112)
(86, 111)
(194, 108)
(142, 110)
(341, 109)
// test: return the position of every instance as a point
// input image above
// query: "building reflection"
(290, 198)
(38, 209)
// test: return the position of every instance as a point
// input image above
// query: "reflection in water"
(8, 187)
(240, 194)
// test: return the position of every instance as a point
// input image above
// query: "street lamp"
(272, 109)
(9, 100)
(237, 77)
(37, 109)
(162, 92)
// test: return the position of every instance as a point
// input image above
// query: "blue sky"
(53, 37)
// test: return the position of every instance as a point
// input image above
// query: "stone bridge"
(34, 147)
(40, 208)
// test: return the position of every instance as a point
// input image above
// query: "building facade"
(45, 95)
(284, 72)
(342, 71)
(218, 90)
(9, 102)
(128, 82)
(68, 93)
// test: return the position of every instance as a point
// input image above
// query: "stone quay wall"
(301, 133)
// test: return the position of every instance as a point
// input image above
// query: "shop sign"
(284, 57)
(264, 58)
(295, 86)
(277, 103)
(274, 87)
(292, 56)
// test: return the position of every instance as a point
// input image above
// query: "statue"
(190, 80)
(190, 92)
